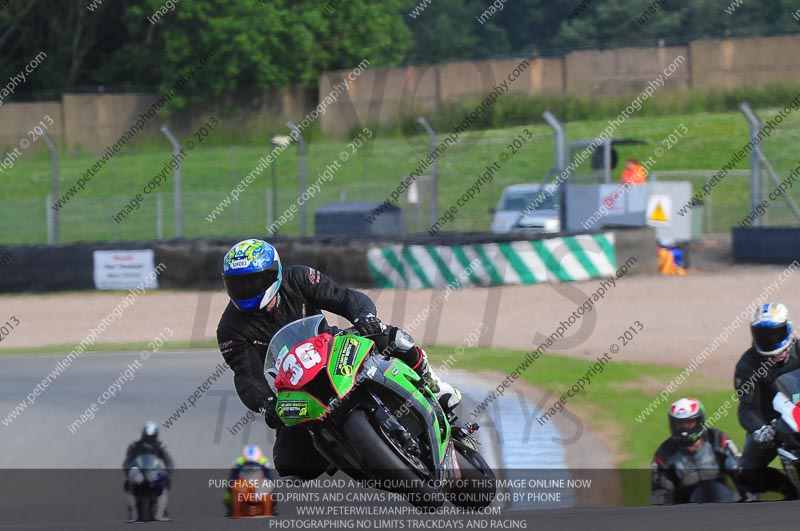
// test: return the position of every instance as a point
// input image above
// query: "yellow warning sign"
(658, 214)
(659, 209)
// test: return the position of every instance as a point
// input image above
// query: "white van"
(515, 199)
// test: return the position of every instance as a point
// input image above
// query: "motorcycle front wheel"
(477, 487)
(146, 506)
(382, 462)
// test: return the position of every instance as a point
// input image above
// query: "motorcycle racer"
(148, 443)
(252, 455)
(773, 353)
(264, 298)
(693, 464)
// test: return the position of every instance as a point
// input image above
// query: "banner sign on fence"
(124, 269)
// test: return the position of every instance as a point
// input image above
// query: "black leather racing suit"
(137, 448)
(681, 476)
(243, 339)
(754, 381)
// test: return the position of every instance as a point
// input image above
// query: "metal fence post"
(178, 203)
(302, 149)
(435, 170)
(755, 160)
(53, 219)
(560, 138)
(269, 203)
(160, 216)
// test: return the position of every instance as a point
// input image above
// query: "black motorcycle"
(147, 479)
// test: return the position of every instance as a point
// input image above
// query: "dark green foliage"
(517, 109)
(267, 44)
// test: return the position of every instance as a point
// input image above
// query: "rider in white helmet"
(148, 443)
(773, 352)
(693, 464)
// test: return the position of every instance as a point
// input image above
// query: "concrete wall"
(378, 96)
(94, 121)
(20, 118)
(623, 70)
(732, 62)
(548, 74)
(383, 95)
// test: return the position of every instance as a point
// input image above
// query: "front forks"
(394, 428)
(463, 430)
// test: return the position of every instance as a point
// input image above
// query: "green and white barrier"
(564, 259)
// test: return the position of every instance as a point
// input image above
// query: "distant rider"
(773, 353)
(693, 465)
(148, 443)
(264, 298)
(251, 456)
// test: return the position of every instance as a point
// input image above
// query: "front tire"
(145, 506)
(477, 487)
(381, 462)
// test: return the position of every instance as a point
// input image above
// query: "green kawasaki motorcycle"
(374, 418)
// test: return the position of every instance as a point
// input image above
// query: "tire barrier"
(415, 262)
(766, 245)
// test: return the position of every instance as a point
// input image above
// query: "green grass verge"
(105, 347)
(612, 401)
(371, 173)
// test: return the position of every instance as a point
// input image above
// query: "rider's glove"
(368, 325)
(271, 416)
(765, 435)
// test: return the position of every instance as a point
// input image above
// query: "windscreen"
(789, 384)
(517, 202)
(148, 462)
(289, 336)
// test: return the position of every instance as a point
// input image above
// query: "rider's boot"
(161, 508)
(447, 395)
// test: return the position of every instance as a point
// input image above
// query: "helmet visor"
(687, 425)
(241, 287)
(769, 338)
(686, 431)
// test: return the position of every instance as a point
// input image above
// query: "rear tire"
(380, 457)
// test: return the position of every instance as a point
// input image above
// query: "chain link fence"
(728, 202)
(210, 175)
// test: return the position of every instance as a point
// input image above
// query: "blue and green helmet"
(252, 272)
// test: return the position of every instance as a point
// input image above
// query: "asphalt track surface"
(53, 478)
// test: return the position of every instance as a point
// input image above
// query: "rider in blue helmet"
(252, 272)
(265, 297)
(253, 458)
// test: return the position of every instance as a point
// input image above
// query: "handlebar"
(346, 331)
(353, 330)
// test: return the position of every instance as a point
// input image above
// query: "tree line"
(130, 45)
